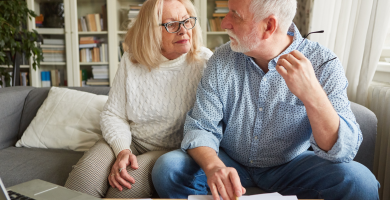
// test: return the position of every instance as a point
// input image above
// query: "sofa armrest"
(11, 107)
(368, 124)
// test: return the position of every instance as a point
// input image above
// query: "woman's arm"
(116, 130)
(114, 122)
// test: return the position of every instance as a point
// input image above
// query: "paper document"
(267, 196)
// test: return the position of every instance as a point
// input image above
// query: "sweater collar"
(175, 64)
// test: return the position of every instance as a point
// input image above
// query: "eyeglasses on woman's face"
(174, 26)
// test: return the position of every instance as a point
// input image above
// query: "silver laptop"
(41, 190)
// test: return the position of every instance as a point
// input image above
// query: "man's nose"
(225, 24)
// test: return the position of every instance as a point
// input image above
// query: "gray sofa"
(19, 105)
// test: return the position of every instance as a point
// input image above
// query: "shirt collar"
(293, 31)
(297, 39)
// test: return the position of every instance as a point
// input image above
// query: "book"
(218, 22)
(92, 21)
(219, 14)
(87, 22)
(47, 41)
(52, 51)
(221, 2)
(84, 24)
(97, 22)
(53, 77)
(222, 5)
(88, 40)
(104, 17)
(221, 10)
(83, 77)
(49, 46)
(80, 28)
(81, 46)
(99, 67)
(45, 78)
(98, 82)
(23, 78)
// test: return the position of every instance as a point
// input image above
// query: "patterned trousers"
(90, 174)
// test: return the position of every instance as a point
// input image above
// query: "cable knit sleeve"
(114, 122)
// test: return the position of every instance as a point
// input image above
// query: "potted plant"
(15, 38)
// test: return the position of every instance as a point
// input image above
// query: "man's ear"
(270, 26)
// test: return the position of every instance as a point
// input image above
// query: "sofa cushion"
(11, 105)
(19, 165)
(67, 119)
(36, 97)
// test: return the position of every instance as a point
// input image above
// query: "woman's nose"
(182, 30)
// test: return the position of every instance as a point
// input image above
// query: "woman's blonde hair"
(144, 38)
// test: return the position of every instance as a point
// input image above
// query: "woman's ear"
(270, 25)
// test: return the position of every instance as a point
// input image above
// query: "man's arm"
(300, 78)
(336, 134)
(323, 118)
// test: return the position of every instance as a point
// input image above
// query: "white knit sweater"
(151, 106)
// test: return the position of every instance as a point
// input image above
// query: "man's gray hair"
(284, 10)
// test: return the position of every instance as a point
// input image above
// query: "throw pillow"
(68, 119)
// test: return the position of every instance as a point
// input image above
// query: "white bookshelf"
(210, 39)
(116, 11)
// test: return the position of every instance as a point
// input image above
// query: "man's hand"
(226, 182)
(299, 75)
(118, 179)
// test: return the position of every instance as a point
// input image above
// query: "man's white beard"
(248, 43)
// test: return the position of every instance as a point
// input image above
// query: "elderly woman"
(153, 89)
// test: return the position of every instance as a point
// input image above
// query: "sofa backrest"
(19, 105)
(368, 124)
(11, 108)
(36, 98)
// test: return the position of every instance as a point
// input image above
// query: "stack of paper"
(267, 196)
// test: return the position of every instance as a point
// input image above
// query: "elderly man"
(264, 99)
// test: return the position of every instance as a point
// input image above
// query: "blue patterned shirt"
(255, 118)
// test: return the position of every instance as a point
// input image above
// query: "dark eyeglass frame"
(180, 23)
(304, 38)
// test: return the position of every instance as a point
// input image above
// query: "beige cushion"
(68, 119)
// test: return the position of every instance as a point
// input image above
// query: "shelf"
(21, 66)
(122, 32)
(94, 63)
(53, 63)
(383, 67)
(217, 33)
(51, 31)
(93, 33)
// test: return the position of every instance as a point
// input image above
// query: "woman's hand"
(119, 176)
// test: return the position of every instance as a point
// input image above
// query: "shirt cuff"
(120, 145)
(346, 146)
(199, 138)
